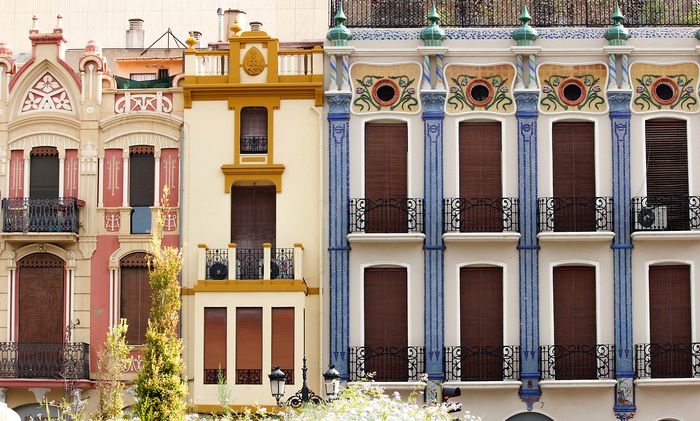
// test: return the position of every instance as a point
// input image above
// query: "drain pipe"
(181, 212)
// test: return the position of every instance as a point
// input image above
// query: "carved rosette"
(480, 88)
(664, 87)
(567, 88)
(385, 88)
(253, 62)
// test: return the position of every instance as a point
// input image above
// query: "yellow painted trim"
(236, 173)
(237, 104)
(301, 246)
(232, 245)
(195, 89)
(252, 286)
(187, 291)
(256, 159)
(314, 291)
(202, 246)
(217, 409)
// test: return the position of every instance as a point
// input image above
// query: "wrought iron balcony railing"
(211, 375)
(248, 376)
(250, 264)
(388, 215)
(40, 215)
(482, 363)
(679, 213)
(386, 364)
(23, 360)
(575, 214)
(253, 144)
(481, 214)
(577, 362)
(669, 360)
(504, 13)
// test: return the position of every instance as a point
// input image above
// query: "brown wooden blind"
(215, 338)
(669, 304)
(481, 306)
(253, 214)
(41, 298)
(283, 340)
(43, 176)
(573, 155)
(386, 307)
(574, 305)
(666, 157)
(248, 338)
(386, 161)
(480, 160)
(141, 181)
(254, 121)
(44, 151)
(135, 301)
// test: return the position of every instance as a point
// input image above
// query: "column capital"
(433, 103)
(338, 103)
(619, 100)
(526, 100)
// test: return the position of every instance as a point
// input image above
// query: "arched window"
(135, 296)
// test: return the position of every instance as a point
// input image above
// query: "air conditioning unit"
(218, 271)
(651, 218)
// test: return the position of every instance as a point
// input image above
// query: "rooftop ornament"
(432, 35)
(339, 34)
(525, 35)
(618, 34)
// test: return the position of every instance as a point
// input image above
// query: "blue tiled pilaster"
(622, 253)
(338, 247)
(528, 247)
(433, 118)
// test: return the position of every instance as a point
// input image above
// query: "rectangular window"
(253, 130)
(214, 344)
(142, 76)
(248, 345)
(283, 340)
(141, 186)
(253, 216)
(43, 173)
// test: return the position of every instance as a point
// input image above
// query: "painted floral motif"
(552, 101)
(112, 221)
(646, 100)
(47, 94)
(143, 102)
(407, 99)
(459, 97)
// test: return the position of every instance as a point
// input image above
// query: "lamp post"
(303, 395)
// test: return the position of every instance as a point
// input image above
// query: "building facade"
(513, 211)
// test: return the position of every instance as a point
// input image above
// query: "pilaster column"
(528, 248)
(125, 178)
(433, 117)
(622, 252)
(27, 169)
(156, 178)
(338, 247)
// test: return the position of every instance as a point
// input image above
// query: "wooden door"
(386, 177)
(215, 334)
(575, 322)
(43, 173)
(135, 299)
(480, 176)
(481, 323)
(573, 156)
(386, 323)
(248, 345)
(669, 321)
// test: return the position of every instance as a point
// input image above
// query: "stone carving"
(253, 62)
(144, 102)
(47, 94)
(112, 221)
(88, 158)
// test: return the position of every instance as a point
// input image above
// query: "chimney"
(237, 16)
(255, 26)
(135, 34)
(198, 36)
(220, 20)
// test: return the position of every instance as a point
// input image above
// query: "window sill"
(667, 382)
(576, 236)
(554, 384)
(410, 385)
(666, 235)
(496, 237)
(361, 237)
(504, 384)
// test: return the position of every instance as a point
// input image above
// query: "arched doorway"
(529, 416)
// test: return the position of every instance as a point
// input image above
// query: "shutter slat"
(141, 177)
(253, 216)
(215, 338)
(666, 157)
(41, 292)
(480, 160)
(283, 339)
(248, 338)
(481, 306)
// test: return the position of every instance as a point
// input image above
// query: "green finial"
(617, 34)
(525, 34)
(432, 35)
(339, 34)
(697, 34)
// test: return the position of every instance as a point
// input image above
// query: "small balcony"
(58, 215)
(386, 364)
(481, 214)
(265, 263)
(575, 214)
(667, 360)
(19, 360)
(482, 363)
(386, 216)
(670, 213)
(577, 362)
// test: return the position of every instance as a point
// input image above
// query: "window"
(283, 340)
(253, 130)
(41, 299)
(135, 296)
(142, 76)
(163, 73)
(214, 344)
(253, 215)
(43, 173)
(141, 187)
(248, 345)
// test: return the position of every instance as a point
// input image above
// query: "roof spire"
(339, 34)
(432, 35)
(525, 35)
(617, 34)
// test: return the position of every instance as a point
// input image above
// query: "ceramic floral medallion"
(659, 87)
(566, 88)
(47, 94)
(480, 88)
(380, 88)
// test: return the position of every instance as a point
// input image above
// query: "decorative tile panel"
(664, 87)
(567, 88)
(380, 88)
(126, 103)
(480, 88)
(47, 94)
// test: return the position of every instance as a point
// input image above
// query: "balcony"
(482, 363)
(575, 214)
(386, 364)
(668, 360)
(265, 263)
(481, 214)
(504, 13)
(679, 213)
(577, 362)
(387, 215)
(20, 360)
(40, 215)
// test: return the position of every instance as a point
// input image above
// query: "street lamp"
(277, 380)
(304, 395)
(331, 380)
